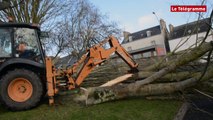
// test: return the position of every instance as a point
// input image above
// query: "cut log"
(97, 95)
(102, 94)
(148, 86)
(117, 80)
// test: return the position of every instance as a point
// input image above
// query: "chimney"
(148, 33)
(171, 28)
(162, 24)
(126, 35)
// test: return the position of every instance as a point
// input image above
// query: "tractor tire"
(20, 89)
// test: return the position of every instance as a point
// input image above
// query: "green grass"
(129, 109)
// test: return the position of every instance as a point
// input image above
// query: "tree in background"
(31, 11)
(81, 27)
(73, 25)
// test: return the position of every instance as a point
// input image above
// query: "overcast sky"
(135, 15)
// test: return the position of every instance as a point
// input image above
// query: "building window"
(198, 29)
(200, 38)
(129, 48)
(189, 31)
(130, 38)
(147, 54)
(137, 56)
(155, 53)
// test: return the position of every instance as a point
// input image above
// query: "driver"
(23, 52)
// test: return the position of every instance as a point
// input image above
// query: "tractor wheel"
(20, 89)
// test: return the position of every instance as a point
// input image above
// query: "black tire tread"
(32, 102)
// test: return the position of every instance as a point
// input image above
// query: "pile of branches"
(169, 76)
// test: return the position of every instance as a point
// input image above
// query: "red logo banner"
(188, 8)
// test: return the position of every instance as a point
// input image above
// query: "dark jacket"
(27, 54)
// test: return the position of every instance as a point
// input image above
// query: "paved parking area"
(200, 108)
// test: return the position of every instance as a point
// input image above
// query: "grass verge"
(129, 109)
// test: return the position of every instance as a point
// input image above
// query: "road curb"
(182, 111)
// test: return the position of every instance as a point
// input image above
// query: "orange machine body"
(93, 57)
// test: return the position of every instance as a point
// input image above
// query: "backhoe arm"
(97, 55)
(94, 56)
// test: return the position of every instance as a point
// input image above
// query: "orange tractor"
(26, 76)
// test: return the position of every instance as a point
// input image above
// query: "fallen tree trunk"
(99, 80)
(184, 58)
(170, 77)
(148, 87)
(181, 60)
(102, 94)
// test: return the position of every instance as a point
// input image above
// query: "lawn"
(129, 109)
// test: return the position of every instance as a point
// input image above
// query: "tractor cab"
(20, 41)
(22, 66)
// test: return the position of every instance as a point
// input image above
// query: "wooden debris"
(117, 80)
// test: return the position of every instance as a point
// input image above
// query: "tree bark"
(170, 77)
(184, 58)
(148, 86)
(103, 94)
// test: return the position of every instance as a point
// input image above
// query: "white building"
(149, 42)
(188, 35)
